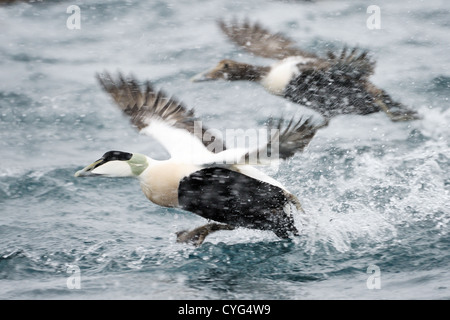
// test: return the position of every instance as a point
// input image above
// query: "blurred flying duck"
(202, 176)
(338, 84)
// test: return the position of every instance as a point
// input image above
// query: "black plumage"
(238, 200)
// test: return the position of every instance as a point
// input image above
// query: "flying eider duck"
(202, 176)
(338, 84)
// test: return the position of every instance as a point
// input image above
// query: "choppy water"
(375, 192)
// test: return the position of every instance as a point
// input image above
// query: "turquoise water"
(374, 192)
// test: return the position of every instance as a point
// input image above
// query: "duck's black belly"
(330, 94)
(233, 198)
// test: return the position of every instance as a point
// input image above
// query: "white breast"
(281, 74)
(160, 181)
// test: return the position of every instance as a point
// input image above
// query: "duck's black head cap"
(117, 155)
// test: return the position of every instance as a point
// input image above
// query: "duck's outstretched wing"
(283, 141)
(155, 114)
(259, 41)
(355, 64)
(293, 137)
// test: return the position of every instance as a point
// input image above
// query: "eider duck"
(338, 84)
(202, 176)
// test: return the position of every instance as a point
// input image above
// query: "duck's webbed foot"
(396, 111)
(403, 116)
(198, 235)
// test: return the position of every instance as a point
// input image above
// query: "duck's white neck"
(281, 73)
(160, 181)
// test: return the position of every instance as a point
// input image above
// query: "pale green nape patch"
(138, 163)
